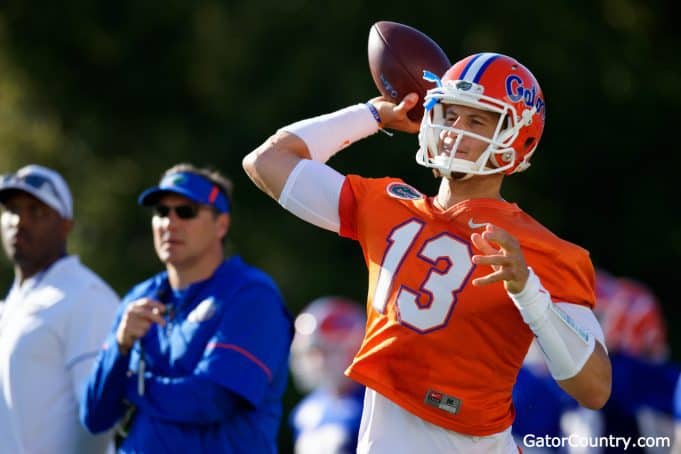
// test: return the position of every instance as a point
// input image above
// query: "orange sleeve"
(354, 195)
(568, 276)
(564, 268)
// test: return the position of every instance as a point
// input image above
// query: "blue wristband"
(374, 112)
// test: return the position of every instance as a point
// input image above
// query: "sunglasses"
(181, 211)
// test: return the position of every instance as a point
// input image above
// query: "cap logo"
(177, 179)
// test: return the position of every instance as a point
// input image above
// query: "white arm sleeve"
(565, 342)
(312, 192)
(328, 134)
(585, 318)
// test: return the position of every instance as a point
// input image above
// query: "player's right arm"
(270, 165)
(317, 139)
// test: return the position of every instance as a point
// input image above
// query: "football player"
(328, 333)
(460, 282)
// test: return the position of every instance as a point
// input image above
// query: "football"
(398, 55)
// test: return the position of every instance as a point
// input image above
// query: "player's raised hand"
(137, 320)
(394, 116)
(502, 252)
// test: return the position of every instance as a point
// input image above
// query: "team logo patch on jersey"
(436, 399)
(204, 311)
(403, 191)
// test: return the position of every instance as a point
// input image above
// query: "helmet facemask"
(498, 157)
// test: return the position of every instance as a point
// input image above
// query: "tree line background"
(113, 93)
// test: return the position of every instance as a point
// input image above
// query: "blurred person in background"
(328, 333)
(52, 322)
(631, 317)
(198, 356)
(644, 379)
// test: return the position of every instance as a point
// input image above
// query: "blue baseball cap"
(188, 184)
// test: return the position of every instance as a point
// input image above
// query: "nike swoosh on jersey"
(475, 225)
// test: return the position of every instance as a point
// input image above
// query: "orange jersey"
(436, 345)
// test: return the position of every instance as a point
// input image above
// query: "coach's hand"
(136, 321)
(507, 261)
(394, 116)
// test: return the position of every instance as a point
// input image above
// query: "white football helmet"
(328, 333)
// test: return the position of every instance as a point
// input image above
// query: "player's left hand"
(502, 252)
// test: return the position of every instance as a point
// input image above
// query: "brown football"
(398, 55)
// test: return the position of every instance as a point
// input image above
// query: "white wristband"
(328, 134)
(565, 344)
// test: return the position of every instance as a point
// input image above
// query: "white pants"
(387, 428)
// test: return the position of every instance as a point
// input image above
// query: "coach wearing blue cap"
(197, 358)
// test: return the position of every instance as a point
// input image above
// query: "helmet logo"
(464, 85)
(516, 92)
